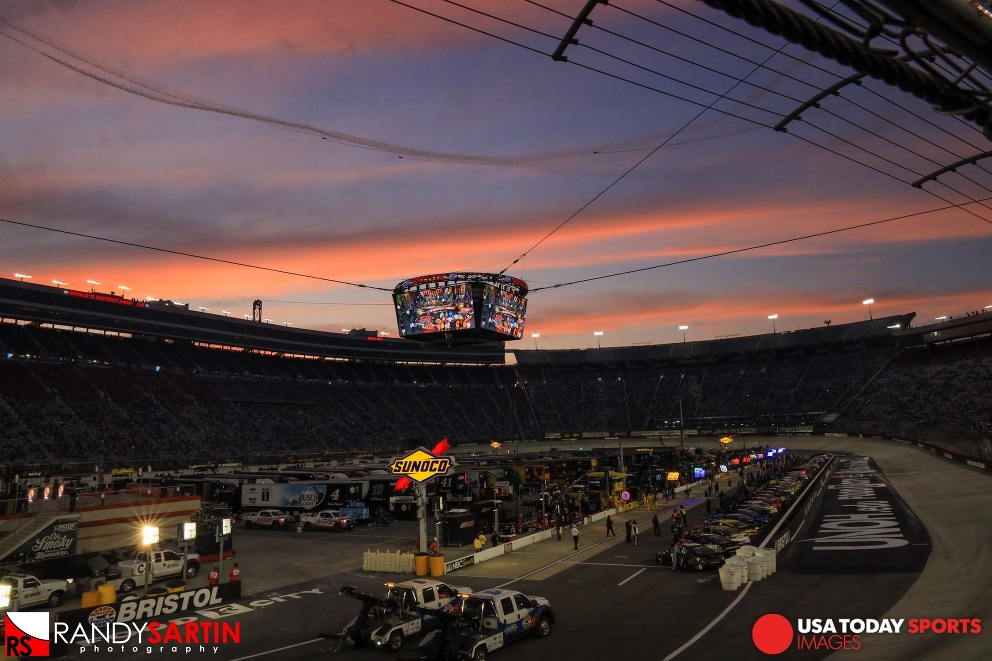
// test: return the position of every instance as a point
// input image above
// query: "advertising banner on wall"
(57, 540)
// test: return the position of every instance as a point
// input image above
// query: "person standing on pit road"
(633, 531)
(682, 516)
(709, 506)
(575, 536)
(234, 574)
(479, 542)
(213, 578)
(657, 525)
(558, 529)
(676, 557)
(627, 524)
(609, 526)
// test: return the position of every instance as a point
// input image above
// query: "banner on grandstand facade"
(57, 540)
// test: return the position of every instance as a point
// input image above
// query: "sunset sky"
(78, 152)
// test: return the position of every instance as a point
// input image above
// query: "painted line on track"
(278, 649)
(633, 576)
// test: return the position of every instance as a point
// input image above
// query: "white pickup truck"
(30, 591)
(327, 520)
(267, 519)
(165, 563)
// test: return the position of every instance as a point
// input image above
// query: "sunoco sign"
(421, 465)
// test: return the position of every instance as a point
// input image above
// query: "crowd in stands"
(75, 396)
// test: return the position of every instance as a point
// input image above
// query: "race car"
(407, 609)
(725, 531)
(487, 621)
(740, 526)
(696, 557)
(728, 545)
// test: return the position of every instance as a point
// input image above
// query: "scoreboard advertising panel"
(447, 308)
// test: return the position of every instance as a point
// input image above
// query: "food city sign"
(421, 465)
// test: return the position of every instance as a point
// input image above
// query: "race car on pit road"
(407, 609)
(698, 557)
(728, 545)
(487, 621)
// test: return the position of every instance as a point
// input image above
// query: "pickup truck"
(487, 621)
(165, 563)
(30, 591)
(267, 519)
(327, 520)
(407, 609)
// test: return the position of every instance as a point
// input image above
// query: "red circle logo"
(772, 634)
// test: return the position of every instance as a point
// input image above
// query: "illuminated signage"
(105, 298)
(673, 476)
(420, 465)
(625, 496)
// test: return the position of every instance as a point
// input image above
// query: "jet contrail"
(127, 82)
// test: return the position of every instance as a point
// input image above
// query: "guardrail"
(787, 528)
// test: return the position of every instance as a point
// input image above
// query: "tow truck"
(407, 609)
(487, 621)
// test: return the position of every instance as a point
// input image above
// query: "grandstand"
(88, 379)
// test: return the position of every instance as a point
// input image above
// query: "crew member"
(235, 573)
(214, 576)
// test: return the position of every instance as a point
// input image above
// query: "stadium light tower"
(535, 336)
(868, 302)
(773, 317)
(22, 276)
(287, 323)
(203, 309)
(599, 338)
(226, 313)
(683, 329)
(59, 283)
(123, 287)
(268, 321)
(150, 298)
(247, 316)
(93, 283)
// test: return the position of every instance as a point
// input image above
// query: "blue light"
(157, 368)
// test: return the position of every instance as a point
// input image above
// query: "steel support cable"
(801, 61)
(793, 26)
(623, 60)
(636, 165)
(724, 50)
(845, 98)
(832, 151)
(736, 251)
(825, 110)
(662, 51)
(971, 200)
(963, 160)
(468, 27)
(181, 253)
(681, 82)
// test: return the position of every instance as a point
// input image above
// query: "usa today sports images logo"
(421, 465)
(774, 633)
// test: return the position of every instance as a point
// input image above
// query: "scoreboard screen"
(503, 312)
(457, 308)
(438, 310)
